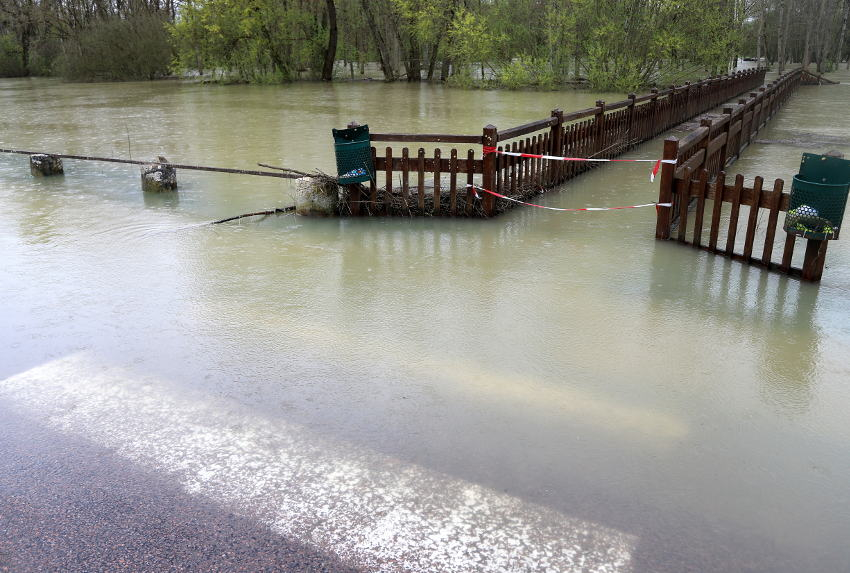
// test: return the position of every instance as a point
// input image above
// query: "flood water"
(695, 406)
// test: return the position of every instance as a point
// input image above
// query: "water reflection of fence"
(603, 131)
(698, 177)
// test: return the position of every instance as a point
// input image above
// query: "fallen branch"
(285, 169)
(257, 214)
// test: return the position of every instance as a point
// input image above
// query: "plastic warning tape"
(476, 188)
(652, 175)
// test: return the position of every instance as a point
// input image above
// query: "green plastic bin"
(818, 197)
(353, 155)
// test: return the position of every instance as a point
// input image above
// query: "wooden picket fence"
(603, 131)
(698, 177)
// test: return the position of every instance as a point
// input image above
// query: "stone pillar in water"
(317, 197)
(158, 177)
(43, 165)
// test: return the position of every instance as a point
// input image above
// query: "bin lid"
(352, 134)
(824, 169)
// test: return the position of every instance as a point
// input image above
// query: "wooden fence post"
(704, 146)
(665, 194)
(814, 260)
(653, 115)
(488, 178)
(599, 128)
(630, 135)
(724, 151)
(556, 141)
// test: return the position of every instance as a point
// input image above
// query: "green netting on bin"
(353, 155)
(818, 197)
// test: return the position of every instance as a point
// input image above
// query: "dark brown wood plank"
(788, 252)
(733, 215)
(437, 174)
(388, 180)
(772, 221)
(500, 160)
(373, 183)
(405, 176)
(526, 128)
(698, 219)
(420, 173)
(716, 210)
(462, 165)
(425, 138)
(695, 162)
(470, 180)
(453, 183)
(683, 187)
(753, 218)
(814, 260)
(513, 168)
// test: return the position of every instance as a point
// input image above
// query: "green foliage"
(10, 57)
(615, 44)
(133, 48)
(526, 72)
(258, 41)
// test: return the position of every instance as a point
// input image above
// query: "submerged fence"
(698, 177)
(603, 131)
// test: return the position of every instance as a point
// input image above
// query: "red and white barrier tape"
(652, 175)
(476, 188)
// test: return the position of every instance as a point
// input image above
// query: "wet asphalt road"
(67, 505)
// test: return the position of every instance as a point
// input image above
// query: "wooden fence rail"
(603, 131)
(698, 176)
(717, 143)
(763, 206)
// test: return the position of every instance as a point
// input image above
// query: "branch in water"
(286, 169)
(257, 214)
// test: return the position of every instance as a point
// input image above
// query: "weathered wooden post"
(814, 260)
(703, 145)
(159, 177)
(673, 98)
(664, 215)
(653, 114)
(599, 128)
(630, 135)
(489, 138)
(557, 142)
(724, 150)
(44, 165)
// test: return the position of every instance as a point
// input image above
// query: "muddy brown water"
(568, 360)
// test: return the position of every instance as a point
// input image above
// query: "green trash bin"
(353, 155)
(818, 197)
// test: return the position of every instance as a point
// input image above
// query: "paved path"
(110, 469)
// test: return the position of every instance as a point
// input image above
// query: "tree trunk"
(781, 34)
(25, 53)
(384, 56)
(760, 35)
(839, 50)
(414, 66)
(432, 64)
(822, 44)
(330, 54)
(807, 45)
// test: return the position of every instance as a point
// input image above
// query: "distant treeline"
(610, 44)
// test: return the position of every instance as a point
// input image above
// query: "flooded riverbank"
(688, 410)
